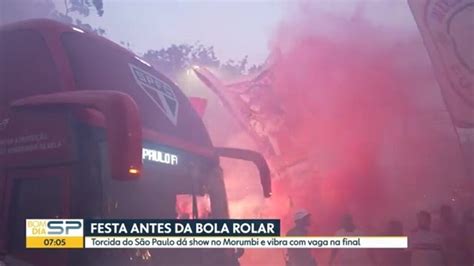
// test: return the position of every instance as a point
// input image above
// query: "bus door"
(38, 158)
(39, 193)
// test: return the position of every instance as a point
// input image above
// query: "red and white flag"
(447, 28)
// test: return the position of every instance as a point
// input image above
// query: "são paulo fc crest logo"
(159, 92)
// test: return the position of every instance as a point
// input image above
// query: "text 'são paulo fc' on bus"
(90, 130)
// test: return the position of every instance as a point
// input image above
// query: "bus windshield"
(99, 65)
(174, 182)
(167, 179)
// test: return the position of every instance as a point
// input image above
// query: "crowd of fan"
(449, 242)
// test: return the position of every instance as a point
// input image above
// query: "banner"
(447, 28)
(234, 233)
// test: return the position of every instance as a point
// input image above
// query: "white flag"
(447, 27)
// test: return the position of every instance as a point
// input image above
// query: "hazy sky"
(235, 28)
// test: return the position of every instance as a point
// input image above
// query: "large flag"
(447, 28)
(239, 99)
(251, 101)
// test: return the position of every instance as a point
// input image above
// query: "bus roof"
(86, 61)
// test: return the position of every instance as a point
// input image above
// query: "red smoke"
(342, 90)
(362, 102)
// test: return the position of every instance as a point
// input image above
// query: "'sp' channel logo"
(54, 233)
(54, 227)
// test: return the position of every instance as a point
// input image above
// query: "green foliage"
(16, 10)
(235, 68)
(69, 20)
(179, 58)
(83, 6)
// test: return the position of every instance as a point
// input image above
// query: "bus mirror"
(122, 121)
(257, 159)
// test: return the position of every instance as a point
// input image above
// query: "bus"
(90, 130)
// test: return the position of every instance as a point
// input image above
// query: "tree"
(254, 69)
(235, 68)
(83, 6)
(14, 10)
(205, 56)
(179, 58)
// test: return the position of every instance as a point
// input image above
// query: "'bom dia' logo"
(54, 227)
